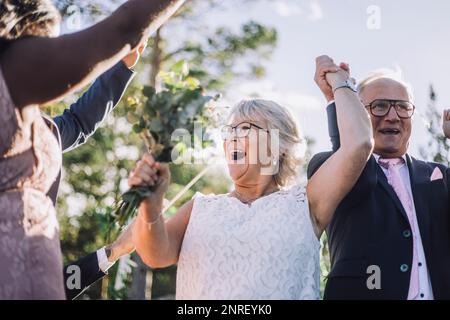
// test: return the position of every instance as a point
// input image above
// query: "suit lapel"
(419, 174)
(381, 177)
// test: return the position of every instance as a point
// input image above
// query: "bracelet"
(151, 223)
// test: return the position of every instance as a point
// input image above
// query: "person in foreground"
(73, 128)
(261, 240)
(390, 236)
(36, 70)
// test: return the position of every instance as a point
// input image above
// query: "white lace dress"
(264, 251)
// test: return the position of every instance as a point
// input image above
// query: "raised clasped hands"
(328, 75)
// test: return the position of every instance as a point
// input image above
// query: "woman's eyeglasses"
(241, 130)
(381, 107)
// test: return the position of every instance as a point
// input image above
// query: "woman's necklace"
(249, 201)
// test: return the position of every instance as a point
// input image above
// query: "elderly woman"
(37, 67)
(261, 240)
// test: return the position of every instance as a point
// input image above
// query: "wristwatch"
(346, 84)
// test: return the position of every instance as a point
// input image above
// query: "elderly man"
(390, 236)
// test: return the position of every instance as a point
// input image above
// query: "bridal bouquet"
(179, 105)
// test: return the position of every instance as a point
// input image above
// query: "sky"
(413, 36)
(410, 35)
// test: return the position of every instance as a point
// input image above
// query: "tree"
(214, 58)
(438, 146)
(93, 172)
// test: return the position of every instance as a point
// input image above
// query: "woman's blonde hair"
(290, 141)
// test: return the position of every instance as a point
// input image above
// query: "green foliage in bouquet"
(179, 105)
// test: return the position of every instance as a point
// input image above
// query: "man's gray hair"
(386, 73)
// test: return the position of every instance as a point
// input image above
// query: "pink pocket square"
(436, 175)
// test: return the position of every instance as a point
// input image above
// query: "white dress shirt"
(425, 289)
(103, 263)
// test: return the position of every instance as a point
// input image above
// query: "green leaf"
(156, 125)
(149, 91)
(181, 67)
(192, 82)
(137, 128)
(142, 123)
(132, 117)
(150, 109)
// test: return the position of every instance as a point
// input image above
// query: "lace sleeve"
(299, 191)
(300, 194)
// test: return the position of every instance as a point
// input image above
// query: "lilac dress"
(30, 159)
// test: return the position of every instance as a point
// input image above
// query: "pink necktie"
(395, 180)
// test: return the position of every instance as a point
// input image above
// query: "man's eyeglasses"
(241, 130)
(381, 107)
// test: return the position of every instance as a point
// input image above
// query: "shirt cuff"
(103, 261)
(330, 103)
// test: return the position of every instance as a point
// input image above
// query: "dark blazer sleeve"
(363, 186)
(333, 130)
(83, 117)
(89, 272)
(316, 162)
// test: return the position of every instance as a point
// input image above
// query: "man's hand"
(325, 65)
(446, 123)
(122, 246)
(133, 57)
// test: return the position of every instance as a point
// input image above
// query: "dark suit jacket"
(82, 119)
(89, 273)
(72, 129)
(370, 227)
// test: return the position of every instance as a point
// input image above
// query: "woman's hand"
(335, 79)
(149, 173)
(158, 242)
